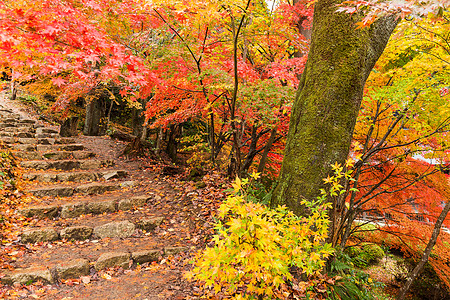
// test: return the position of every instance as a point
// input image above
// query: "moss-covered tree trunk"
(327, 102)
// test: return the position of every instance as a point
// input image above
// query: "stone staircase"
(86, 214)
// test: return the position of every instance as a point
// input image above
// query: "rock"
(65, 140)
(25, 147)
(64, 165)
(35, 141)
(128, 204)
(60, 191)
(27, 121)
(45, 165)
(129, 184)
(113, 259)
(144, 256)
(57, 155)
(78, 233)
(73, 269)
(95, 188)
(97, 208)
(115, 229)
(200, 184)
(46, 135)
(90, 164)
(8, 140)
(82, 154)
(28, 155)
(40, 177)
(174, 250)
(114, 174)
(149, 224)
(42, 130)
(40, 212)
(24, 135)
(27, 276)
(68, 147)
(73, 210)
(69, 127)
(39, 235)
(7, 134)
(77, 176)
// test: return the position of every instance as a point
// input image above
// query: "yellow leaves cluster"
(255, 246)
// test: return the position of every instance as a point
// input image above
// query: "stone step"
(75, 176)
(55, 155)
(46, 135)
(38, 141)
(60, 147)
(66, 165)
(72, 210)
(83, 263)
(98, 230)
(17, 129)
(17, 120)
(67, 191)
(45, 130)
(47, 148)
(25, 134)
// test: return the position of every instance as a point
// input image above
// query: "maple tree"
(229, 75)
(69, 42)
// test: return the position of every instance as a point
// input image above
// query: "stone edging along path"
(79, 197)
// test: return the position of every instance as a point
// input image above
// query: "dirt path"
(92, 225)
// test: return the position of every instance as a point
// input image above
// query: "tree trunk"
(95, 117)
(69, 127)
(327, 102)
(159, 139)
(269, 143)
(172, 143)
(13, 90)
(426, 254)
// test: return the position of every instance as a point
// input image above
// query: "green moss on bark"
(327, 104)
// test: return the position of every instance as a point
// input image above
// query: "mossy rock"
(353, 251)
(365, 254)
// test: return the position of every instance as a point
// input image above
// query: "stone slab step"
(38, 141)
(46, 135)
(44, 130)
(66, 165)
(17, 129)
(116, 229)
(67, 191)
(55, 155)
(17, 121)
(75, 176)
(17, 134)
(72, 210)
(77, 266)
(60, 147)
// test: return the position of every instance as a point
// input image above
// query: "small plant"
(365, 254)
(256, 246)
(350, 284)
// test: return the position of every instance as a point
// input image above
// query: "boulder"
(113, 259)
(73, 269)
(78, 233)
(144, 256)
(39, 235)
(115, 230)
(73, 210)
(97, 208)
